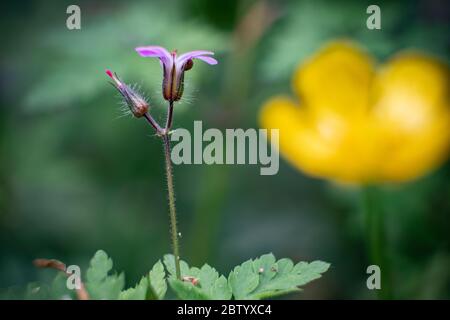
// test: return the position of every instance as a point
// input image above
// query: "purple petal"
(155, 51)
(199, 54)
(208, 60)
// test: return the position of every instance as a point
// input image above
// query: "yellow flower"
(355, 123)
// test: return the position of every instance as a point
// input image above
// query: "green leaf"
(36, 291)
(308, 272)
(157, 281)
(208, 284)
(55, 290)
(139, 292)
(215, 287)
(100, 284)
(265, 266)
(221, 290)
(243, 280)
(152, 287)
(265, 277)
(58, 289)
(186, 290)
(169, 262)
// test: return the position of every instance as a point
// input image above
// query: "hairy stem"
(170, 191)
(169, 119)
(153, 123)
(164, 134)
(172, 209)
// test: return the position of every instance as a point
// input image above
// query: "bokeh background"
(76, 176)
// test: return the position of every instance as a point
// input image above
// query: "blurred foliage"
(76, 59)
(315, 22)
(74, 177)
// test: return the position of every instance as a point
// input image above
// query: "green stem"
(376, 238)
(172, 209)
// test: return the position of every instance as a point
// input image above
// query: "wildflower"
(137, 104)
(174, 67)
(361, 125)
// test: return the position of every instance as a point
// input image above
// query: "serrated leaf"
(221, 290)
(243, 280)
(208, 284)
(152, 287)
(186, 290)
(157, 281)
(139, 292)
(265, 277)
(169, 262)
(266, 267)
(307, 272)
(215, 287)
(100, 284)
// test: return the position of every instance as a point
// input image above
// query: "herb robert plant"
(357, 123)
(174, 68)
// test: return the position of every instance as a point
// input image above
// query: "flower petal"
(114, 78)
(410, 91)
(208, 60)
(155, 51)
(198, 54)
(338, 79)
(321, 145)
(411, 106)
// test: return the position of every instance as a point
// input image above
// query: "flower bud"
(189, 64)
(135, 102)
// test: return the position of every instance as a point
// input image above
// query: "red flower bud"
(137, 104)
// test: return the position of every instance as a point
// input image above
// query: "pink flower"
(174, 67)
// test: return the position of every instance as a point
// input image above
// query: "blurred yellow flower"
(354, 123)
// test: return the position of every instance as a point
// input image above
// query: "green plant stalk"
(376, 240)
(172, 208)
(170, 189)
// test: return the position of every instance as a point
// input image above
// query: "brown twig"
(82, 293)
